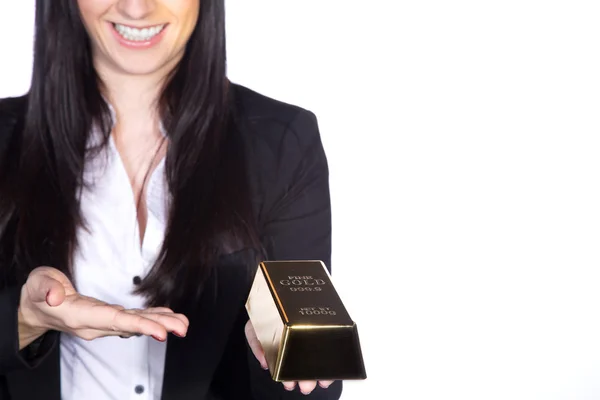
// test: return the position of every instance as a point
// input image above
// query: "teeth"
(138, 35)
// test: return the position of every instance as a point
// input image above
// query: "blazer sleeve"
(11, 359)
(298, 226)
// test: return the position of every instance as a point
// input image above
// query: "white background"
(463, 141)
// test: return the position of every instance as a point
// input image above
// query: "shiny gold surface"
(310, 327)
(276, 373)
(265, 271)
(266, 319)
(298, 344)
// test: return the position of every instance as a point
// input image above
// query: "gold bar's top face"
(304, 294)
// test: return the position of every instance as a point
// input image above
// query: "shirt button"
(137, 280)
(139, 389)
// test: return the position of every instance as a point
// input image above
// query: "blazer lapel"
(191, 361)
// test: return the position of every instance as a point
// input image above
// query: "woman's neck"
(135, 103)
(136, 133)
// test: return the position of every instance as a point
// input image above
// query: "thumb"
(255, 345)
(56, 293)
(44, 288)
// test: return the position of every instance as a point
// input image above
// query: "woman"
(135, 177)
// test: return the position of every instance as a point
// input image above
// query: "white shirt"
(108, 258)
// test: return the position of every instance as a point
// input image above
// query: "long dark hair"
(210, 212)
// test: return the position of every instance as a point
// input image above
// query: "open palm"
(50, 302)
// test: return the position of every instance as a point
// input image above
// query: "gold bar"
(302, 324)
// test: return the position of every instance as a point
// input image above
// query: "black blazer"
(289, 178)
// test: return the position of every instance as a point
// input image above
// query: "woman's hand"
(49, 302)
(306, 387)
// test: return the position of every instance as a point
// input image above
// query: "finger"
(117, 307)
(56, 294)
(255, 345)
(139, 324)
(51, 273)
(164, 310)
(169, 312)
(171, 322)
(91, 334)
(126, 335)
(107, 318)
(56, 275)
(42, 288)
(159, 311)
(325, 384)
(289, 385)
(306, 387)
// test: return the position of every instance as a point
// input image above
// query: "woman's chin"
(137, 66)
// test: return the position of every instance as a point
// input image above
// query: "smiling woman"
(138, 37)
(163, 28)
(139, 190)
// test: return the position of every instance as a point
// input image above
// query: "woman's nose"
(136, 9)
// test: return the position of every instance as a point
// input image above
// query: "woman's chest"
(113, 252)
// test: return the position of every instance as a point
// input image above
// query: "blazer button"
(139, 389)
